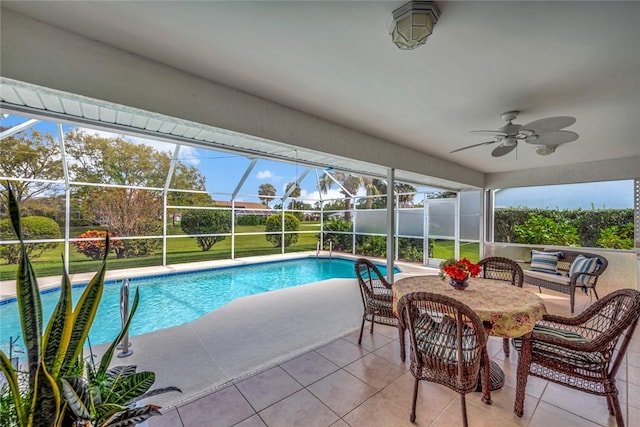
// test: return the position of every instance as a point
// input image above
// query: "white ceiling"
(335, 60)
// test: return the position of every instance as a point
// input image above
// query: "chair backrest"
(610, 318)
(447, 338)
(504, 269)
(370, 278)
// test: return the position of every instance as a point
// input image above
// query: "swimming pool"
(174, 299)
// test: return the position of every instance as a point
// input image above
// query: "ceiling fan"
(545, 133)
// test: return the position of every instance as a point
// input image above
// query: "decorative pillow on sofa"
(545, 262)
(583, 264)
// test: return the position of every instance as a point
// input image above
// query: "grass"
(185, 249)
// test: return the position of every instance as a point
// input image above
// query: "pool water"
(175, 299)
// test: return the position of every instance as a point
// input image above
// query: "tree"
(373, 187)
(267, 192)
(33, 228)
(31, 155)
(206, 222)
(129, 211)
(349, 186)
(274, 225)
(405, 193)
(295, 204)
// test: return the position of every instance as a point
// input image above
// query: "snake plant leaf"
(85, 312)
(132, 416)
(77, 395)
(107, 410)
(45, 405)
(120, 371)
(154, 392)
(28, 295)
(58, 333)
(108, 354)
(11, 378)
(129, 387)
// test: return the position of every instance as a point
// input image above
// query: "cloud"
(267, 175)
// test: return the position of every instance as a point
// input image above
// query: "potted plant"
(458, 271)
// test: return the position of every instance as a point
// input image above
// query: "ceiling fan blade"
(474, 145)
(489, 132)
(503, 150)
(550, 123)
(553, 137)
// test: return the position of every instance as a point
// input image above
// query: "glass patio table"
(511, 311)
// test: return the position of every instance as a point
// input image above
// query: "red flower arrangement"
(459, 269)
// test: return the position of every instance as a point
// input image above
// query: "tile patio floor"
(343, 384)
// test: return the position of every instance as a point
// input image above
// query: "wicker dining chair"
(582, 352)
(505, 269)
(377, 298)
(448, 345)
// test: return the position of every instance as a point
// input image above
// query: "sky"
(224, 170)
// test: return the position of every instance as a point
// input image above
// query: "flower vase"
(459, 284)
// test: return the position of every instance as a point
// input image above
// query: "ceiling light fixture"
(413, 23)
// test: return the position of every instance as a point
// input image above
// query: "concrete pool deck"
(248, 335)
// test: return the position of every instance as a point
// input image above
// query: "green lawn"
(185, 249)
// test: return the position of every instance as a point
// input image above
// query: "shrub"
(589, 223)
(411, 249)
(542, 230)
(251, 220)
(33, 227)
(341, 242)
(374, 246)
(206, 222)
(274, 224)
(615, 237)
(94, 249)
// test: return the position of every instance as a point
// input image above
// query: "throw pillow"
(583, 264)
(545, 262)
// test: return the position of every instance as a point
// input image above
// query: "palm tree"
(405, 193)
(295, 193)
(266, 192)
(349, 183)
(373, 188)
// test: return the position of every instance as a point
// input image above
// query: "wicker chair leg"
(463, 408)
(595, 293)
(618, 411)
(373, 320)
(505, 347)
(610, 405)
(572, 299)
(412, 417)
(524, 362)
(364, 316)
(486, 378)
(402, 349)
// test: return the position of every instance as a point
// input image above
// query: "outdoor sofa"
(565, 271)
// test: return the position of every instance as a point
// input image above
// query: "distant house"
(246, 208)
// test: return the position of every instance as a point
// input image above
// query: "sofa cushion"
(583, 264)
(555, 278)
(545, 262)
